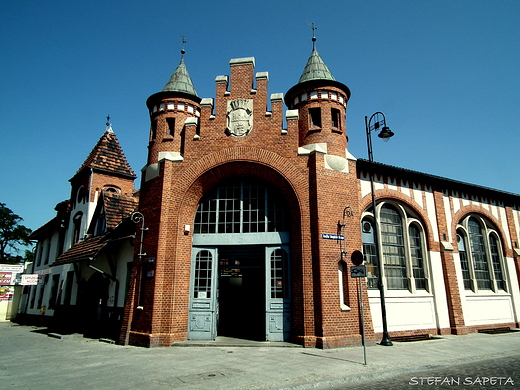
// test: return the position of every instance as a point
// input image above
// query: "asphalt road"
(499, 373)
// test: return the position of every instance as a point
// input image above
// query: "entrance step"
(222, 341)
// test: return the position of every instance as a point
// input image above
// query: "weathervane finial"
(314, 28)
(183, 42)
(109, 126)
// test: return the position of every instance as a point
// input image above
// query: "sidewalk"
(33, 360)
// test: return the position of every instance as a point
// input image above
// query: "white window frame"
(408, 218)
(487, 230)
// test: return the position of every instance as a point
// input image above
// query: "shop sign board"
(29, 279)
(5, 278)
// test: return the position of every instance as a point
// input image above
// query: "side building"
(82, 254)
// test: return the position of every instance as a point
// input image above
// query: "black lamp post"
(378, 121)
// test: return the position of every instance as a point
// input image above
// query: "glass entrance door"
(277, 287)
(203, 300)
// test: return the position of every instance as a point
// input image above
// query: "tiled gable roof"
(108, 156)
(44, 229)
(62, 208)
(117, 207)
(83, 250)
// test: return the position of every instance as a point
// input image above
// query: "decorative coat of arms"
(239, 117)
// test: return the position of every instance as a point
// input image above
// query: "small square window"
(335, 115)
(171, 126)
(153, 130)
(315, 116)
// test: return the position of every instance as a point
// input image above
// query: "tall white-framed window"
(481, 255)
(402, 245)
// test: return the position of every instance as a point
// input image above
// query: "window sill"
(486, 293)
(400, 294)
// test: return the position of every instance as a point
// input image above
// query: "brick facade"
(192, 149)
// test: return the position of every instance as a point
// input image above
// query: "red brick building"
(252, 216)
(249, 215)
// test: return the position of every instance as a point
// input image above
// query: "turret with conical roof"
(321, 102)
(176, 106)
(180, 80)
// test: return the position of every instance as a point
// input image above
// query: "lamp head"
(386, 133)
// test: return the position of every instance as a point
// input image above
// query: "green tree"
(12, 233)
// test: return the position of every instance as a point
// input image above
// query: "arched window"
(464, 265)
(81, 195)
(242, 206)
(480, 255)
(392, 242)
(77, 228)
(417, 256)
(402, 248)
(112, 189)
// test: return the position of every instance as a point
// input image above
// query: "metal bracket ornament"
(137, 218)
(347, 212)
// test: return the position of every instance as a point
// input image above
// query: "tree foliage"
(12, 233)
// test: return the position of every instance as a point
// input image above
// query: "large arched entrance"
(240, 263)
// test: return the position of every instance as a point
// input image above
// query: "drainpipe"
(87, 219)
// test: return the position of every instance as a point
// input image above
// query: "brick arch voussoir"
(475, 209)
(384, 194)
(208, 168)
(292, 174)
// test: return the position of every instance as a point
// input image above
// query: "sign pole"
(360, 271)
(362, 320)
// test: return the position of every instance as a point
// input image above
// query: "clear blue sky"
(445, 73)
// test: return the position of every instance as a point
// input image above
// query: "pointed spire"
(108, 156)
(180, 80)
(315, 68)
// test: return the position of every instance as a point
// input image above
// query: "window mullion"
(408, 257)
(266, 209)
(241, 205)
(471, 266)
(489, 259)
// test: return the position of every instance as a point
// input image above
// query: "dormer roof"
(117, 207)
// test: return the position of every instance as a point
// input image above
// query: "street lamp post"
(378, 121)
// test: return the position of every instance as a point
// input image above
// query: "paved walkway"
(33, 360)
